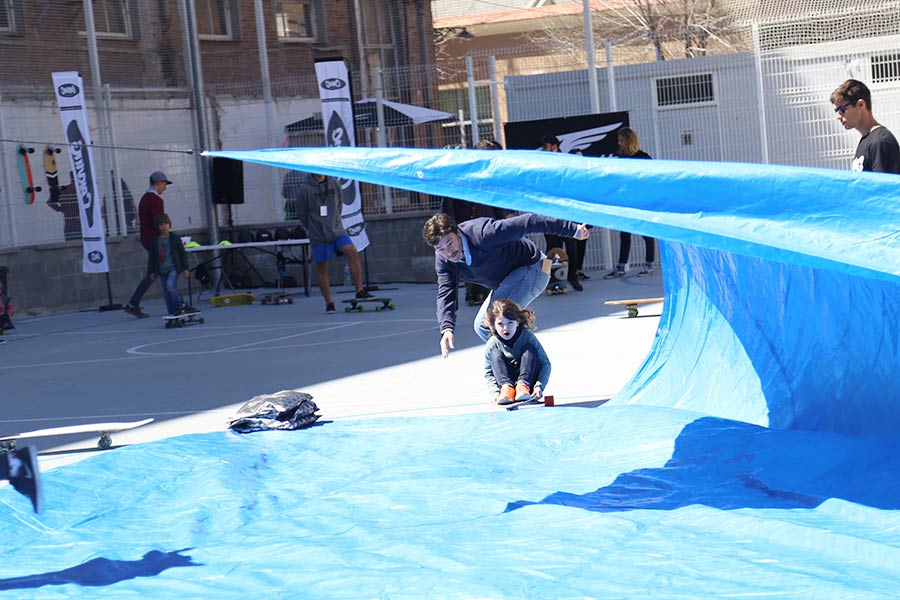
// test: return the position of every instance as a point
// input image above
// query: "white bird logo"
(579, 140)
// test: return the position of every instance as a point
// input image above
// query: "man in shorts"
(316, 202)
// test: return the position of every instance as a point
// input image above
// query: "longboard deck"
(104, 429)
(355, 304)
(232, 299)
(182, 320)
(632, 305)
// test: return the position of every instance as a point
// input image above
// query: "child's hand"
(537, 393)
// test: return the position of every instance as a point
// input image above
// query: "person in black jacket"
(495, 254)
(630, 147)
(167, 259)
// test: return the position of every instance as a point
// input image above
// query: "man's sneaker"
(136, 311)
(614, 274)
(507, 394)
(187, 309)
(329, 308)
(576, 285)
(582, 275)
(362, 294)
(645, 273)
(24, 474)
(523, 392)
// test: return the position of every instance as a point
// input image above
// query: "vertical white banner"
(337, 117)
(70, 98)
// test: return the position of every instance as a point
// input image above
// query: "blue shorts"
(325, 252)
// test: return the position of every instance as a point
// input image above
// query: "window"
(111, 17)
(7, 23)
(215, 19)
(685, 90)
(295, 20)
(885, 68)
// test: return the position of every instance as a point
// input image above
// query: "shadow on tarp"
(729, 465)
(103, 571)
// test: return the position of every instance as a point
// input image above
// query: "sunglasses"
(843, 108)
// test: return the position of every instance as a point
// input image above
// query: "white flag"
(337, 117)
(70, 98)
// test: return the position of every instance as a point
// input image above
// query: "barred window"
(6, 16)
(111, 18)
(685, 90)
(885, 68)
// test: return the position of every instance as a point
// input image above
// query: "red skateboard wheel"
(548, 401)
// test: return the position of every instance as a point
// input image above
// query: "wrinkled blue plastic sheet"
(752, 455)
(612, 502)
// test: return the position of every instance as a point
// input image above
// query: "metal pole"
(760, 96)
(363, 60)
(200, 120)
(94, 57)
(114, 167)
(267, 99)
(611, 78)
(589, 49)
(379, 114)
(473, 106)
(495, 99)
(4, 178)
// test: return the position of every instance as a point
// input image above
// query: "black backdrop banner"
(592, 135)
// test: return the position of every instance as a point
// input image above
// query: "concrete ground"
(75, 368)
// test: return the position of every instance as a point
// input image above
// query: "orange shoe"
(523, 392)
(507, 394)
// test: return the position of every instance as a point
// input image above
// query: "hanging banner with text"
(70, 98)
(337, 118)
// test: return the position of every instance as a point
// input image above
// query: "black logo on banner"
(336, 134)
(82, 163)
(68, 90)
(95, 256)
(333, 83)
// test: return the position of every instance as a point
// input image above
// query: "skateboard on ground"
(281, 298)
(559, 272)
(632, 305)
(50, 170)
(545, 400)
(25, 177)
(357, 304)
(104, 429)
(232, 299)
(182, 320)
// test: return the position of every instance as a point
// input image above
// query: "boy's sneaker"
(647, 271)
(523, 392)
(507, 394)
(136, 311)
(614, 274)
(24, 474)
(329, 308)
(582, 275)
(362, 294)
(187, 309)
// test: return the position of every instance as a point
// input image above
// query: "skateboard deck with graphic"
(104, 429)
(25, 177)
(356, 304)
(232, 299)
(182, 320)
(50, 169)
(632, 305)
(559, 272)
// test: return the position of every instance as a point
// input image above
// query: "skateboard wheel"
(105, 442)
(201, 320)
(378, 308)
(391, 306)
(347, 309)
(632, 312)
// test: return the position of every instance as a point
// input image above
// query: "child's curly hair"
(511, 310)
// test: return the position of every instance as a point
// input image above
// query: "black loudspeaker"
(228, 181)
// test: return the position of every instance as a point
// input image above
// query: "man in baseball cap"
(157, 176)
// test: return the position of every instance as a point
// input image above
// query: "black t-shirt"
(877, 151)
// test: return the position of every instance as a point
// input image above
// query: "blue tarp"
(753, 454)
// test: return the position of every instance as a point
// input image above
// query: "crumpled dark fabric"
(287, 409)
